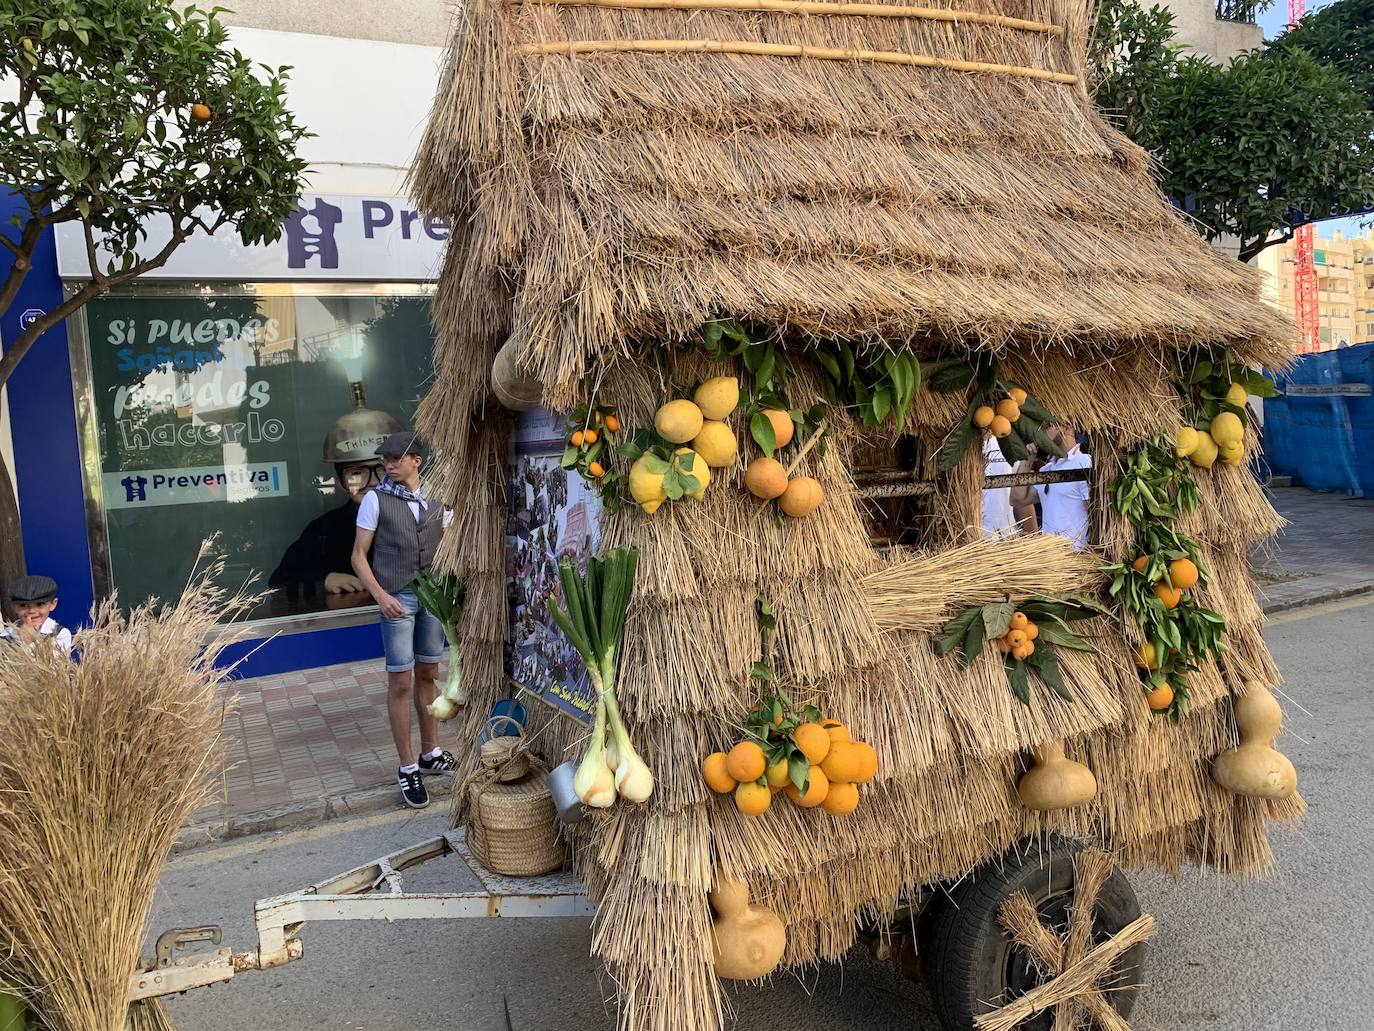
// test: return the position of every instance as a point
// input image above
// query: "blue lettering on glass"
(135, 488)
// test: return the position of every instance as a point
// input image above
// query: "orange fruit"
(1008, 409)
(1018, 395)
(982, 416)
(868, 761)
(1139, 564)
(837, 731)
(1160, 698)
(200, 112)
(1019, 621)
(816, 790)
(783, 427)
(842, 763)
(1016, 638)
(745, 762)
(717, 778)
(612, 424)
(1000, 426)
(841, 799)
(577, 438)
(1032, 631)
(589, 437)
(1023, 651)
(776, 775)
(752, 799)
(1168, 594)
(814, 742)
(1182, 573)
(595, 469)
(1003, 645)
(1145, 656)
(766, 478)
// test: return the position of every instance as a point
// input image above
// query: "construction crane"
(1305, 301)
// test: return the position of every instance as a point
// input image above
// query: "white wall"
(366, 102)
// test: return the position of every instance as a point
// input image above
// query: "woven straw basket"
(512, 828)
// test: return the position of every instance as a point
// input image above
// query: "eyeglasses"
(363, 475)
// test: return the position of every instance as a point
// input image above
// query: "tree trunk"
(11, 537)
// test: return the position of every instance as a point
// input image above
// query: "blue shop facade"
(233, 393)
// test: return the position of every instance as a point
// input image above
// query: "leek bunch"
(593, 624)
(442, 598)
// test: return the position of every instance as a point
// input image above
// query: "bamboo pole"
(811, 7)
(707, 46)
(907, 486)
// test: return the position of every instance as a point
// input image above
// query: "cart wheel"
(975, 967)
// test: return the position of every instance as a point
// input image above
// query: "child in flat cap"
(34, 598)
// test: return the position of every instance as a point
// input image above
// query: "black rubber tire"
(975, 968)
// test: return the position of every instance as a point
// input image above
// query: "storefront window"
(253, 415)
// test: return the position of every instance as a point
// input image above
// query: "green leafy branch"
(983, 625)
(875, 381)
(978, 376)
(1154, 485)
(1208, 387)
(774, 720)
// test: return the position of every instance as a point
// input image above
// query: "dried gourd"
(748, 941)
(1055, 782)
(1254, 767)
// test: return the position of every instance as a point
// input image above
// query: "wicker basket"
(513, 828)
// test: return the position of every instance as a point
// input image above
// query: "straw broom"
(101, 762)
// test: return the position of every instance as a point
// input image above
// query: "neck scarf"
(396, 490)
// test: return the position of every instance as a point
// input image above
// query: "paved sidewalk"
(1325, 552)
(308, 746)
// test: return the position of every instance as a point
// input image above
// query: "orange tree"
(121, 115)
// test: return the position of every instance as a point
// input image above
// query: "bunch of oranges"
(1159, 693)
(597, 422)
(1019, 640)
(836, 766)
(1000, 420)
(1183, 574)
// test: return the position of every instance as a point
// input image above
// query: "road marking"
(267, 842)
(1312, 611)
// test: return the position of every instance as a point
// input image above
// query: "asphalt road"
(1292, 951)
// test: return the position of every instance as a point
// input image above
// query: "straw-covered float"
(857, 239)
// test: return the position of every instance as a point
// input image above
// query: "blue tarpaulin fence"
(1320, 431)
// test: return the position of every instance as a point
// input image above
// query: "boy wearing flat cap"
(34, 598)
(400, 526)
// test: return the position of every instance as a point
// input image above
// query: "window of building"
(251, 413)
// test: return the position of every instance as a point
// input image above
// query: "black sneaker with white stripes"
(443, 763)
(412, 789)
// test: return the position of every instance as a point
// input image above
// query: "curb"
(1320, 598)
(288, 817)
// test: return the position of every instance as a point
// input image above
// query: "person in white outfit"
(1064, 506)
(998, 519)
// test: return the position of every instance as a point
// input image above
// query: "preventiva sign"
(328, 237)
(148, 488)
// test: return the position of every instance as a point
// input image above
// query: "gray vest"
(402, 547)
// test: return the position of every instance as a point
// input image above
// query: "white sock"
(412, 768)
(434, 754)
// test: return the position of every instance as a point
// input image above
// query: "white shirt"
(1065, 505)
(60, 635)
(998, 518)
(369, 511)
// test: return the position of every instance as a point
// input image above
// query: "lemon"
(1236, 395)
(716, 444)
(691, 463)
(717, 397)
(1185, 441)
(1232, 453)
(646, 486)
(678, 421)
(1227, 428)
(1205, 453)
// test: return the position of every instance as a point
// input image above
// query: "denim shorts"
(414, 637)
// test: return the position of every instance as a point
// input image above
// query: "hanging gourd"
(1055, 782)
(748, 941)
(1254, 767)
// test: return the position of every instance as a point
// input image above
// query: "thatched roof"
(624, 195)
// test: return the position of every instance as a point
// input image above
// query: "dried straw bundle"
(101, 763)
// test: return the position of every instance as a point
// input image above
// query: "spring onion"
(593, 623)
(442, 598)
